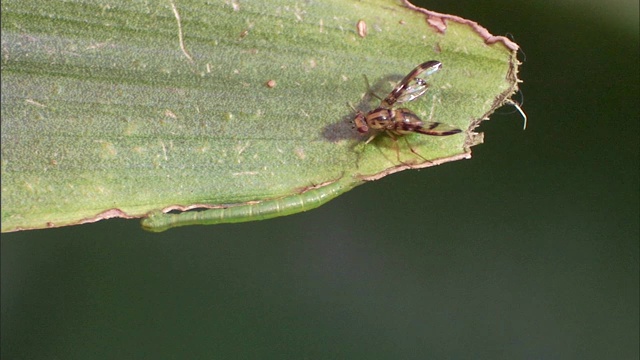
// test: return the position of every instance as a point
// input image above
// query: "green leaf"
(128, 108)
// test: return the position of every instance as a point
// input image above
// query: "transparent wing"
(413, 85)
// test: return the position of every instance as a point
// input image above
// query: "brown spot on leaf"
(361, 26)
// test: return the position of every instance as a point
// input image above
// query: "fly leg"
(393, 137)
(369, 90)
(414, 151)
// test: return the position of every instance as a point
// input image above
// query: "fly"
(401, 121)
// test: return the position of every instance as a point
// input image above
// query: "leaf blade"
(114, 116)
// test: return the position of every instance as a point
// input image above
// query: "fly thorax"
(380, 118)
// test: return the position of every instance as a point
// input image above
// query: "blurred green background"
(528, 250)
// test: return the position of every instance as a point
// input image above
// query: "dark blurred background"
(527, 251)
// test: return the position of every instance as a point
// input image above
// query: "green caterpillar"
(310, 199)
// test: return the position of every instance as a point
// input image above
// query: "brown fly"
(401, 121)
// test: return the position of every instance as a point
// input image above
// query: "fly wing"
(412, 86)
(437, 129)
(406, 122)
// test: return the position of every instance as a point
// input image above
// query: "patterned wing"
(408, 122)
(412, 86)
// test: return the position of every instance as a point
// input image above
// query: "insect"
(158, 221)
(401, 121)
